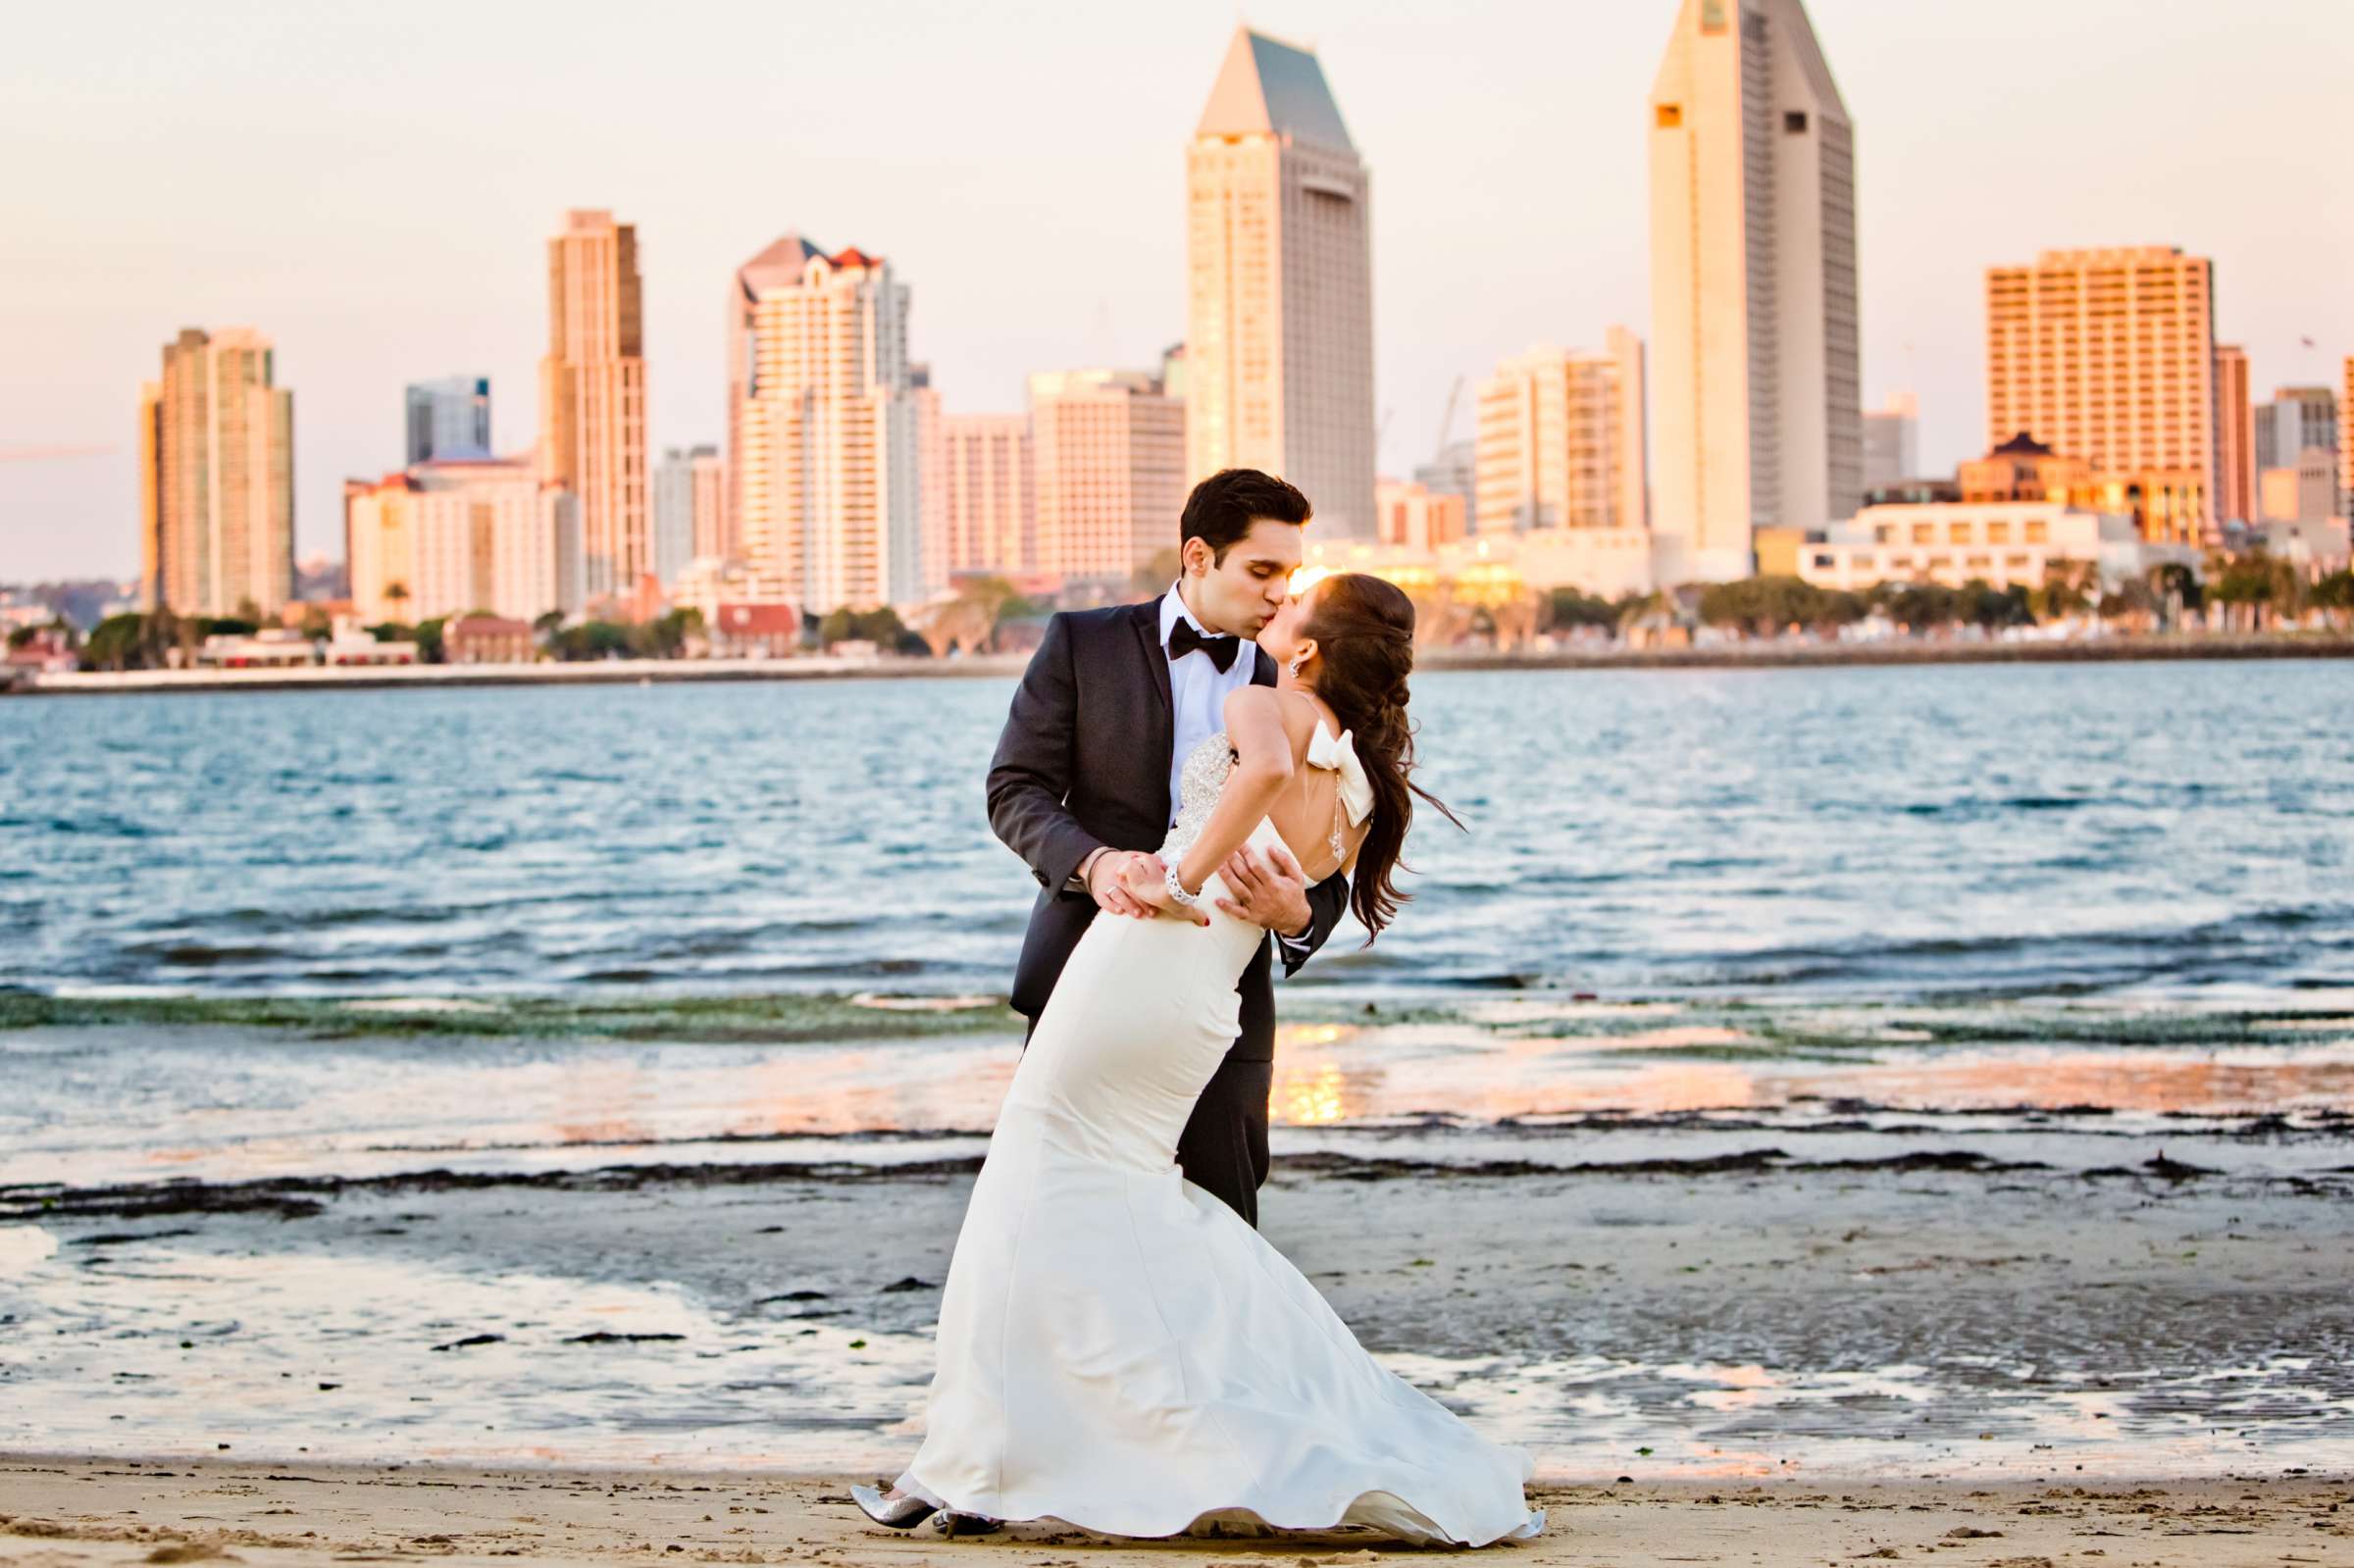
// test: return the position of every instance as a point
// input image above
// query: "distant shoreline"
(650, 671)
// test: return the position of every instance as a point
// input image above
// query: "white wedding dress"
(1117, 1348)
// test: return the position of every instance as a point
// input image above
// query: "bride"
(1118, 1349)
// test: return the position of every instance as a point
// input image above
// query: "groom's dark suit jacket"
(1084, 761)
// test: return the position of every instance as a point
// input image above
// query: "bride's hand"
(1147, 883)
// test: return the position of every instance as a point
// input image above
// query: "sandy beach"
(65, 1513)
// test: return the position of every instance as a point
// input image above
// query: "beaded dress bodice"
(1198, 784)
(1204, 779)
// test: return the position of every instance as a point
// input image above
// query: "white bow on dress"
(1338, 754)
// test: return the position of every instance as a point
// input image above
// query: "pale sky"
(372, 185)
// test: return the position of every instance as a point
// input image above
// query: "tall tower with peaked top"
(1758, 419)
(1279, 344)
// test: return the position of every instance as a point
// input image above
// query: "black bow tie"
(1221, 650)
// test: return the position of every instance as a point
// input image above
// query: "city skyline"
(1457, 146)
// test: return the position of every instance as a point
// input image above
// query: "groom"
(1083, 786)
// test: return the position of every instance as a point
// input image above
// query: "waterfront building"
(2001, 543)
(2109, 356)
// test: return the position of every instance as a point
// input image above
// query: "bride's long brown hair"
(1364, 631)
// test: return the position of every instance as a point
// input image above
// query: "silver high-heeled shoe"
(902, 1511)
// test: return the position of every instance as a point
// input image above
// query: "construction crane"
(45, 454)
(1455, 395)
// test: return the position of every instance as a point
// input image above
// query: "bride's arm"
(1265, 756)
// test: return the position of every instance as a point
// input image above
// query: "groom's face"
(1241, 594)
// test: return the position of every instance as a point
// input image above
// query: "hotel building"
(2109, 356)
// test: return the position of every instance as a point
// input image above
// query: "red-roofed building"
(488, 640)
(755, 631)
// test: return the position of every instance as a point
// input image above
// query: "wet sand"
(67, 1513)
(1735, 1317)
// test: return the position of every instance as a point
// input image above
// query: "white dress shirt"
(1198, 693)
(1197, 689)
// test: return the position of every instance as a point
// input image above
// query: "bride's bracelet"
(1177, 889)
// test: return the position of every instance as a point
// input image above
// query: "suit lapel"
(1146, 619)
(1161, 729)
(1262, 667)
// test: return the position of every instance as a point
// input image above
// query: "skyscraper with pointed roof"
(1758, 417)
(1279, 345)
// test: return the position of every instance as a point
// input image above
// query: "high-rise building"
(1892, 442)
(592, 397)
(1455, 471)
(1560, 441)
(448, 419)
(2304, 491)
(1110, 471)
(2234, 436)
(988, 483)
(825, 450)
(2345, 441)
(1279, 341)
(1756, 409)
(2298, 420)
(690, 509)
(1415, 517)
(2109, 356)
(447, 537)
(216, 478)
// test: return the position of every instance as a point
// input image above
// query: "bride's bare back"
(1308, 811)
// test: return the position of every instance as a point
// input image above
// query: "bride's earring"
(1298, 660)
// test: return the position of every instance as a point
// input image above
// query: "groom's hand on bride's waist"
(1270, 893)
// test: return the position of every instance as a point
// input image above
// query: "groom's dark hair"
(1222, 508)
